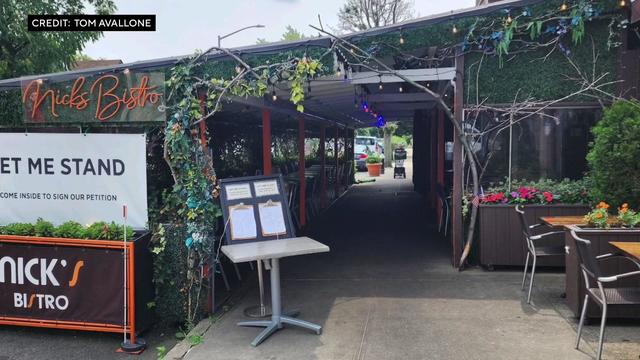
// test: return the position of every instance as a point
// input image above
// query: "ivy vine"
(194, 96)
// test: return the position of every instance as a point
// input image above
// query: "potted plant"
(500, 236)
(374, 165)
(601, 228)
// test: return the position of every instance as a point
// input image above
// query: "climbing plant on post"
(193, 201)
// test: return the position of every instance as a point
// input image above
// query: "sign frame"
(131, 328)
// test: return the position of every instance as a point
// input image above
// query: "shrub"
(19, 229)
(43, 228)
(170, 273)
(615, 153)
(374, 159)
(70, 230)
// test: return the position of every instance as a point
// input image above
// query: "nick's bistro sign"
(121, 97)
(55, 283)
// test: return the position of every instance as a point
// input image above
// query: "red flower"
(548, 196)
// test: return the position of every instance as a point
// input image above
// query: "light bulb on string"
(564, 6)
(380, 87)
(274, 97)
(400, 89)
(509, 19)
(455, 29)
(623, 3)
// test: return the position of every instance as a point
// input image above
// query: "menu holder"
(242, 222)
(272, 218)
(255, 208)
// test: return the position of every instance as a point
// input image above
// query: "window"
(552, 146)
(365, 141)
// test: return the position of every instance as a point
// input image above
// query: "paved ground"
(18, 343)
(387, 291)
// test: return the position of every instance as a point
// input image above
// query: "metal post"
(276, 304)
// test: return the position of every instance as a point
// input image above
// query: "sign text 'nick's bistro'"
(122, 97)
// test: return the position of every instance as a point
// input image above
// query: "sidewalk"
(387, 291)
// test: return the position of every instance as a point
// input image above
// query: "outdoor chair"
(535, 251)
(444, 208)
(594, 280)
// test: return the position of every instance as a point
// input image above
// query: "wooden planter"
(374, 169)
(575, 286)
(501, 242)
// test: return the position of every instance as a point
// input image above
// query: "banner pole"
(126, 288)
(133, 345)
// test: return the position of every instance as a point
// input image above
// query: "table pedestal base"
(277, 318)
(272, 326)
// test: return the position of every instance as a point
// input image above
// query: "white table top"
(273, 249)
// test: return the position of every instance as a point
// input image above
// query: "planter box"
(575, 287)
(501, 242)
(75, 283)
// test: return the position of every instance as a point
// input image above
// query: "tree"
(358, 15)
(614, 155)
(291, 34)
(23, 52)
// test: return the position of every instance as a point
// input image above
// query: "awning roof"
(331, 98)
(276, 47)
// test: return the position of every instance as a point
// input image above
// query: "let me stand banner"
(80, 177)
(82, 284)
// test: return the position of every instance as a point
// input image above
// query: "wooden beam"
(439, 157)
(399, 97)
(430, 74)
(266, 142)
(336, 186)
(457, 230)
(323, 165)
(301, 174)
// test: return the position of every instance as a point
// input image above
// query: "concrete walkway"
(387, 291)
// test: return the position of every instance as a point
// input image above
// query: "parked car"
(361, 161)
(365, 146)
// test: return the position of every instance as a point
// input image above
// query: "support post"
(433, 149)
(440, 158)
(266, 142)
(457, 230)
(323, 166)
(336, 184)
(301, 174)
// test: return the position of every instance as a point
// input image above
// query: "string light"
(126, 71)
(455, 29)
(274, 97)
(400, 89)
(401, 37)
(564, 7)
(623, 3)
(509, 19)
(380, 84)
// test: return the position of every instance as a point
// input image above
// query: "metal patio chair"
(534, 250)
(623, 296)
